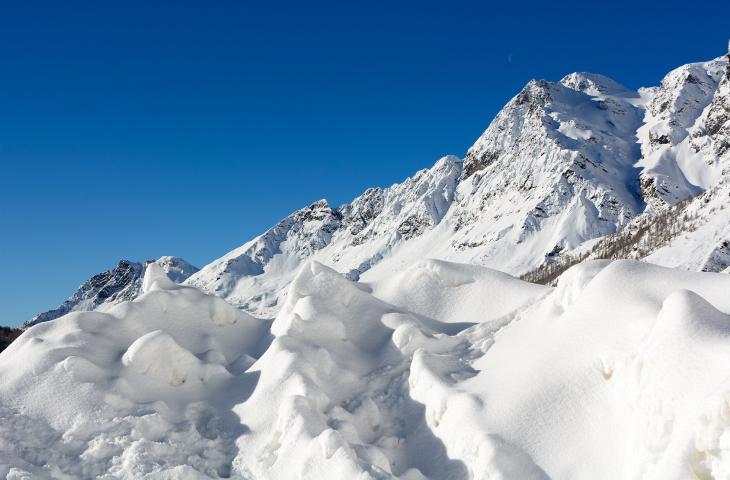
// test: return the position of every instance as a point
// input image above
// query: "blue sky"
(136, 129)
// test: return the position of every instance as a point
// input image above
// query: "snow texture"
(448, 371)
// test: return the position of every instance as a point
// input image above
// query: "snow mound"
(155, 278)
(158, 356)
(338, 368)
(141, 391)
(452, 292)
(442, 371)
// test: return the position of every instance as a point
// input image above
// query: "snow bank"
(442, 371)
(452, 292)
(337, 370)
(139, 391)
(158, 356)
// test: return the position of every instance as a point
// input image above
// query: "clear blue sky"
(133, 129)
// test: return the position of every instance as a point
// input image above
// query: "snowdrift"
(444, 371)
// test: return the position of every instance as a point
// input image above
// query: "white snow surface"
(446, 371)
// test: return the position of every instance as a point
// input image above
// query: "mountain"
(562, 166)
(685, 179)
(379, 340)
(675, 137)
(7, 335)
(119, 284)
(352, 237)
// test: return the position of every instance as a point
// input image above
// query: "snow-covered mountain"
(119, 284)
(685, 178)
(676, 162)
(378, 340)
(561, 166)
(352, 238)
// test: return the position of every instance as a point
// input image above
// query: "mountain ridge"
(562, 165)
(120, 283)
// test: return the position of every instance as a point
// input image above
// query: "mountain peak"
(123, 282)
(593, 84)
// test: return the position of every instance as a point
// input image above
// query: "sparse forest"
(635, 241)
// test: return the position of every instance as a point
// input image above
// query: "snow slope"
(463, 373)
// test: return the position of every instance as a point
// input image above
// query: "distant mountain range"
(121, 283)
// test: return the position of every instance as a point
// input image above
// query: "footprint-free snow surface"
(445, 371)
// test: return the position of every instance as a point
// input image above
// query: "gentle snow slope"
(448, 371)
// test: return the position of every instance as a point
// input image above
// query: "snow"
(382, 339)
(121, 283)
(138, 390)
(452, 292)
(145, 357)
(562, 165)
(444, 371)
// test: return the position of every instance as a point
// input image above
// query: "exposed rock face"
(712, 133)
(719, 258)
(354, 237)
(363, 210)
(121, 283)
(681, 118)
(7, 335)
